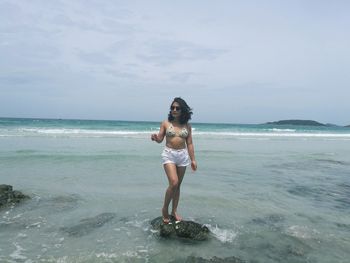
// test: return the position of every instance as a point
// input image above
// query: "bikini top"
(170, 132)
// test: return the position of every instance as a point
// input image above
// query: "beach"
(267, 193)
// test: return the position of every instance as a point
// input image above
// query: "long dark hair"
(186, 111)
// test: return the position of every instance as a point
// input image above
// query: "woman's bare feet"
(165, 214)
(176, 216)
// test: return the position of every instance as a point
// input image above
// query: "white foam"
(37, 224)
(270, 134)
(22, 235)
(130, 254)
(223, 235)
(282, 130)
(18, 216)
(17, 254)
(106, 255)
(267, 133)
(302, 232)
(66, 131)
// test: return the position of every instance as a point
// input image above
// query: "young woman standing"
(177, 154)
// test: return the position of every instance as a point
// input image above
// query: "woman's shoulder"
(165, 123)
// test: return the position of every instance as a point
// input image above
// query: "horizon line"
(230, 123)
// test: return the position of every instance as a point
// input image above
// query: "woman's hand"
(194, 165)
(154, 137)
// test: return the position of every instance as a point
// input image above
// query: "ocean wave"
(83, 131)
(282, 130)
(79, 132)
(69, 132)
(271, 134)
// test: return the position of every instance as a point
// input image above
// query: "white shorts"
(178, 157)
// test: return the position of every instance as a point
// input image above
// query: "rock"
(192, 259)
(8, 196)
(87, 225)
(183, 229)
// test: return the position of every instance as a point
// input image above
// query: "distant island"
(297, 122)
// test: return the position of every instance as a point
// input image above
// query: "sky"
(233, 61)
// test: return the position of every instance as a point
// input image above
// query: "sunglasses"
(177, 108)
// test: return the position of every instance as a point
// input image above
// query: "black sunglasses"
(177, 108)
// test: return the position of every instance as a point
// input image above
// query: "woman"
(177, 154)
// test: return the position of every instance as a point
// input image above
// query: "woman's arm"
(190, 148)
(160, 136)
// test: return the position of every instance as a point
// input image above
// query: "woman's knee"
(174, 184)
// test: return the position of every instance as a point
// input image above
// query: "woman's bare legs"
(175, 176)
(180, 174)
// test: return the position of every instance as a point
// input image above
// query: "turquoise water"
(267, 193)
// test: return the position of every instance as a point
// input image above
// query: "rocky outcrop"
(183, 229)
(87, 225)
(8, 196)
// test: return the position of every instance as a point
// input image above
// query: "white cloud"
(247, 60)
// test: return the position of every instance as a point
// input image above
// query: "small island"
(297, 122)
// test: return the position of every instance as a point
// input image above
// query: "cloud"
(181, 77)
(95, 58)
(164, 52)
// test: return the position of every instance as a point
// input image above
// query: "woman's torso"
(176, 135)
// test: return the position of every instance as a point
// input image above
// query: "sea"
(267, 193)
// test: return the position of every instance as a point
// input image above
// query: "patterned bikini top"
(170, 132)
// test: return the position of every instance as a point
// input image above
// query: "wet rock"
(88, 225)
(184, 229)
(59, 204)
(192, 259)
(9, 196)
(342, 225)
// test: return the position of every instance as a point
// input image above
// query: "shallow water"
(265, 198)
